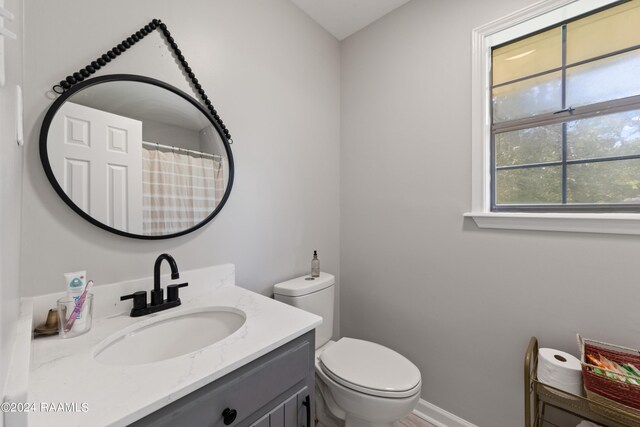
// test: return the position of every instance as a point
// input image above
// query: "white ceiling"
(344, 17)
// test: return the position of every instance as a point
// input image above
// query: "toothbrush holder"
(82, 322)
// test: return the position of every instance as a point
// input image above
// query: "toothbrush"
(78, 307)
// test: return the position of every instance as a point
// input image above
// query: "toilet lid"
(370, 368)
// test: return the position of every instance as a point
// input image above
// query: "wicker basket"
(608, 394)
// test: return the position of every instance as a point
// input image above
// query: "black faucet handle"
(139, 299)
(172, 291)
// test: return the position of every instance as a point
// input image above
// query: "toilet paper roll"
(560, 370)
(585, 423)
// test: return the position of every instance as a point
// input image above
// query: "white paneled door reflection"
(98, 163)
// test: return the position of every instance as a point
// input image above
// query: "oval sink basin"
(170, 336)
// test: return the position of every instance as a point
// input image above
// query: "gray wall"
(460, 302)
(162, 133)
(10, 192)
(273, 75)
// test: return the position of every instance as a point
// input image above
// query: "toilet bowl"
(364, 395)
(358, 383)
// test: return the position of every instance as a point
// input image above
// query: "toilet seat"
(370, 368)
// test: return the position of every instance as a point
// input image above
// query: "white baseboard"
(438, 416)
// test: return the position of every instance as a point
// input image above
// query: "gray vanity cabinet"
(291, 413)
(275, 390)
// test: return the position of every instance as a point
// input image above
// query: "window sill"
(612, 223)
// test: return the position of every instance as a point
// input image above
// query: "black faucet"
(157, 294)
(158, 303)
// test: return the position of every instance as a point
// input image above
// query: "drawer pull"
(307, 404)
(229, 416)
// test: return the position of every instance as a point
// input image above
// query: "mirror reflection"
(138, 158)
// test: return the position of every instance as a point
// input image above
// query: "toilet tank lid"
(304, 285)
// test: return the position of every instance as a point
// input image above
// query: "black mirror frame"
(44, 158)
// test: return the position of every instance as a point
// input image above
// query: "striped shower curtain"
(179, 190)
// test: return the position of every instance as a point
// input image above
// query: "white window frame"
(528, 20)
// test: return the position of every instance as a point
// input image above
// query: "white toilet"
(358, 383)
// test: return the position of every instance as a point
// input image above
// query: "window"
(566, 115)
(557, 112)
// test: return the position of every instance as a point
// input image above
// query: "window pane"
(534, 145)
(605, 182)
(529, 186)
(604, 80)
(604, 136)
(532, 55)
(529, 97)
(604, 32)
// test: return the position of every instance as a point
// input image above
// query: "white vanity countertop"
(64, 370)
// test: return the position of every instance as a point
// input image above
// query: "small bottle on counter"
(315, 265)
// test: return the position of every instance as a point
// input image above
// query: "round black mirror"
(136, 156)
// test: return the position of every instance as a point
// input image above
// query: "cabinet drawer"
(246, 390)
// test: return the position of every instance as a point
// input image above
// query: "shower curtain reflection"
(179, 190)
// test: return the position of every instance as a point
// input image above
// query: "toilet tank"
(312, 294)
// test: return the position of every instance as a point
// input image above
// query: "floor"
(413, 421)
(409, 421)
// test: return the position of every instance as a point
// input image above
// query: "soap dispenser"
(315, 265)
